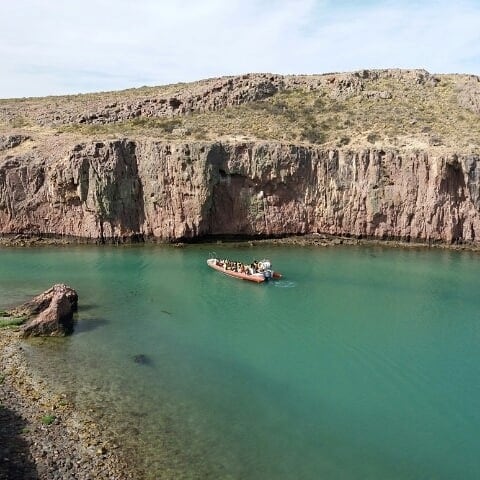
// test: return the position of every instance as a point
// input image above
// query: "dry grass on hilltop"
(381, 110)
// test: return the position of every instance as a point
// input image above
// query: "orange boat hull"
(257, 278)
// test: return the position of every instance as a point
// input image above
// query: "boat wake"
(284, 284)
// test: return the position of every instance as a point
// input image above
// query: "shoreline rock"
(49, 313)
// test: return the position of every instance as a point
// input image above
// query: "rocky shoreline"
(314, 240)
(42, 435)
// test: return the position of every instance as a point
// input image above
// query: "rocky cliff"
(124, 189)
(382, 153)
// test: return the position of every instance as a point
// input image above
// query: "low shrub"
(48, 419)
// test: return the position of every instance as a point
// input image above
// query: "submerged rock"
(50, 313)
(142, 359)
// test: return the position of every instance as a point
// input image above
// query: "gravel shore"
(42, 436)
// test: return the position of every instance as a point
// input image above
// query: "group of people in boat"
(254, 267)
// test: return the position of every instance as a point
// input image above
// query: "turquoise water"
(361, 363)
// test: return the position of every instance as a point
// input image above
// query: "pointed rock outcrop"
(50, 313)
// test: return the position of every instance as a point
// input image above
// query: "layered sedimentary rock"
(126, 189)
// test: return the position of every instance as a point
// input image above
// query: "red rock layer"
(124, 189)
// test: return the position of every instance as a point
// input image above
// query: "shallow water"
(360, 363)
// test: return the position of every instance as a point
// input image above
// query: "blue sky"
(52, 47)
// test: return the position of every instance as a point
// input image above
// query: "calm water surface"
(360, 363)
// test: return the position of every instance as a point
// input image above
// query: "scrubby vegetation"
(48, 419)
(382, 111)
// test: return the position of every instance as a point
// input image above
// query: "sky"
(54, 47)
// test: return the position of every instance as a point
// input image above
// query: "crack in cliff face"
(453, 188)
(109, 181)
(120, 190)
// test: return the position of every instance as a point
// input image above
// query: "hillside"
(386, 108)
(383, 153)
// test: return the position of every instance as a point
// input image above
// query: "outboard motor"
(266, 265)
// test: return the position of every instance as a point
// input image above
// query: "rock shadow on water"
(90, 324)
(87, 307)
(16, 461)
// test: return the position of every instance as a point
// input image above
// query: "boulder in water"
(50, 313)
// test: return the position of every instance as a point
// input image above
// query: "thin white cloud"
(55, 47)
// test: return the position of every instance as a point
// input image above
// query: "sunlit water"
(359, 364)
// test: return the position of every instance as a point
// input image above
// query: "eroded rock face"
(11, 141)
(126, 190)
(50, 313)
(468, 92)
